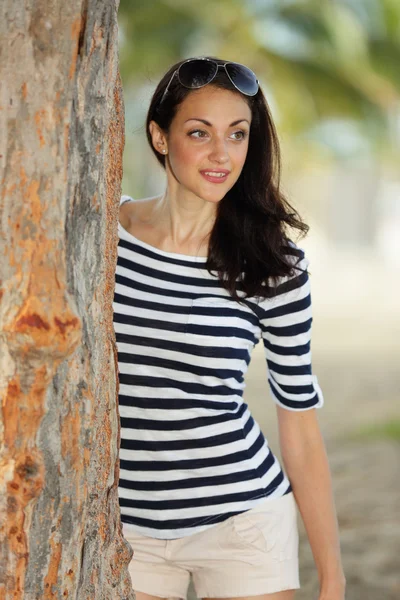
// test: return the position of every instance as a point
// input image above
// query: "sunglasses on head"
(197, 72)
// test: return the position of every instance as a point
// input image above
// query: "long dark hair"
(249, 239)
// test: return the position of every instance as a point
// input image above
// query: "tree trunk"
(61, 127)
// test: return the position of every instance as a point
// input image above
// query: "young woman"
(205, 271)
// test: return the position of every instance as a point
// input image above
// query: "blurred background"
(330, 72)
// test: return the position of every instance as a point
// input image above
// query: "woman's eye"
(201, 134)
(242, 134)
(196, 131)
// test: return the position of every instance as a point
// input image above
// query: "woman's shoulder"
(124, 214)
(125, 198)
(134, 209)
(296, 254)
(298, 276)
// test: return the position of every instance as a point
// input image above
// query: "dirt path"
(366, 477)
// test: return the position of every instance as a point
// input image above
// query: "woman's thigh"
(143, 596)
(286, 595)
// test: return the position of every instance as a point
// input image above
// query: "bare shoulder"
(135, 210)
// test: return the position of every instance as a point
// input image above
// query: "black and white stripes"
(191, 454)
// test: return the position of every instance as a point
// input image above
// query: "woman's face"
(207, 142)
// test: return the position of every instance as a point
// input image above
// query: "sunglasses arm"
(167, 88)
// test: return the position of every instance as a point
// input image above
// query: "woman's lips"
(215, 178)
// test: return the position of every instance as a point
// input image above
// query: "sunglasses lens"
(196, 73)
(243, 78)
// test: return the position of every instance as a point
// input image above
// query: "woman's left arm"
(306, 464)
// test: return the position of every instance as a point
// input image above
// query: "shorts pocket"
(289, 535)
(259, 531)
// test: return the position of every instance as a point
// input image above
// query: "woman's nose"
(219, 152)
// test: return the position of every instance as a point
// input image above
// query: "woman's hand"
(335, 590)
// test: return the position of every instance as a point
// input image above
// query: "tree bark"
(62, 136)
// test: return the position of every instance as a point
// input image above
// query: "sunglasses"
(197, 72)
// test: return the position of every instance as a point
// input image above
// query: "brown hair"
(248, 240)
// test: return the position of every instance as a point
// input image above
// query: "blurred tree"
(329, 69)
(320, 62)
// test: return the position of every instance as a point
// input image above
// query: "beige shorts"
(252, 553)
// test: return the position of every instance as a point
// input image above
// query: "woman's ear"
(158, 138)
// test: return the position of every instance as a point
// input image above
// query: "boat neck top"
(191, 453)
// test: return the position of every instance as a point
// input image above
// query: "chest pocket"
(214, 316)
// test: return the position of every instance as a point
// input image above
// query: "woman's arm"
(285, 323)
(306, 464)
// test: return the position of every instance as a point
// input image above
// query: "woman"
(204, 272)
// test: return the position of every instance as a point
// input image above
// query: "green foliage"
(155, 34)
(389, 430)
(317, 61)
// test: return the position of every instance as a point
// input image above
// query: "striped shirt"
(191, 454)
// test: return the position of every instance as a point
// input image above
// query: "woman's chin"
(213, 195)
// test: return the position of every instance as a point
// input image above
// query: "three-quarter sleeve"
(285, 322)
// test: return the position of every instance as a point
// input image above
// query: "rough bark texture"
(61, 128)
